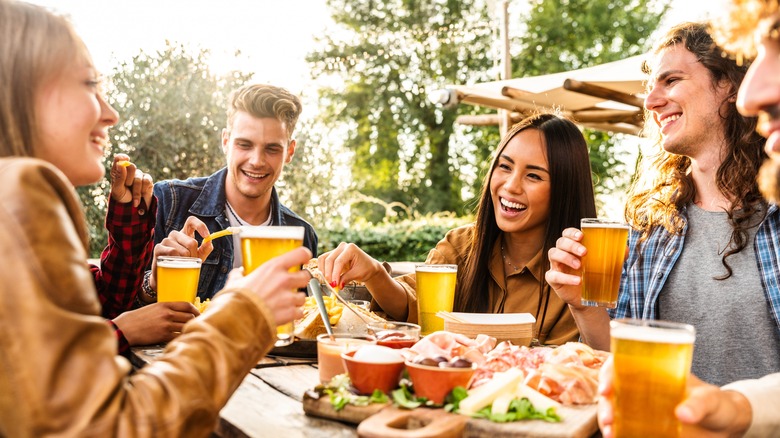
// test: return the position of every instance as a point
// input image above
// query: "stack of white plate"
(514, 327)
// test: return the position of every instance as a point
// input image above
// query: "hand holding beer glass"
(262, 243)
(652, 361)
(435, 292)
(602, 265)
(177, 278)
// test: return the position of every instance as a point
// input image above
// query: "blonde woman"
(60, 371)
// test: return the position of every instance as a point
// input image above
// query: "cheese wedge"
(540, 401)
(501, 383)
(501, 403)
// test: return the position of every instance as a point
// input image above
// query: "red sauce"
(394, 339)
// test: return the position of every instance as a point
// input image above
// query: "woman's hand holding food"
(273, 277)
(129, 183)
(155, 323)
(348, 263)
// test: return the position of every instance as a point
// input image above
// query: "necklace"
(235, 216)
(508, 262)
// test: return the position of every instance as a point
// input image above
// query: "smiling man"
(702, 247)
(257, 143)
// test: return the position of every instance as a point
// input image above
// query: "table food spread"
(509, 390)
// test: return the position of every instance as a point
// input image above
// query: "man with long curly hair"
(704, 243)
(749, 407)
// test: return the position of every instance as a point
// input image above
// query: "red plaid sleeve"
(126, 257)
(122, 344)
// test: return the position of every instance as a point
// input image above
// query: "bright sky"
(272, 35)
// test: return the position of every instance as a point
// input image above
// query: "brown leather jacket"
(59, 369)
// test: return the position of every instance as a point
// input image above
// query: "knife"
(316, 291)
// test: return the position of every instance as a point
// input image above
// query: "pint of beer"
(435, 292)
(262, 243)
(177, 278)
(603, 263)
(652, 363)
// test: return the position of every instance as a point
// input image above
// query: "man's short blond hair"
(262, 101)
(735, 33)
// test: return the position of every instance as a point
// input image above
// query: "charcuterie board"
(387, 421)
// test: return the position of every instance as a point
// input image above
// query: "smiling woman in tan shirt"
(539, 183)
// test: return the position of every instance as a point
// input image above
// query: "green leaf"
(519, 409)
(453, 399)
(405, 399)
(378, 397)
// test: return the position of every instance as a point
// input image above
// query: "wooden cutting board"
(387, 421)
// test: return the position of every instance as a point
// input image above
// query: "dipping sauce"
(395, 339)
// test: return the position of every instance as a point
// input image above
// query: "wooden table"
(268, 403)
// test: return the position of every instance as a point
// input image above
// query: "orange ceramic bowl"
(368, 376)
(434, 383)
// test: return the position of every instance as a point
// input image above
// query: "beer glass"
(262, 243)
(177, 278)
(601, 266)
(435, 292)
(652, 364)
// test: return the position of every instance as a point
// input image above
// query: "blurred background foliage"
(377, 164)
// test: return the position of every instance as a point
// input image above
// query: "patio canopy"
(607, 97)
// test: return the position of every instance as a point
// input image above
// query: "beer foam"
(436, 268)
(603, 225)
(179, 263)
(272, 232)
(652, 334)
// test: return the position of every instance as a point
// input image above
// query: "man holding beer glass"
(257, 142)
(702, 249)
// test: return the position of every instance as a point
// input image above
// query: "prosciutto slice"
(567, 374)
(449, 345)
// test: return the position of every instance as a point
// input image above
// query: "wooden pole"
(604, 93)
(506, 63)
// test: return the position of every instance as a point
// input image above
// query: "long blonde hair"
(35, 45)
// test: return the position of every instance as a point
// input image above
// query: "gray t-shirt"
(736, 337)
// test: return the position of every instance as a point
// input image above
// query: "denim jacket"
(204, 198)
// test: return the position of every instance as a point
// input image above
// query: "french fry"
(201, 306)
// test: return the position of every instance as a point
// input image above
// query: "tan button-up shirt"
(517, 292)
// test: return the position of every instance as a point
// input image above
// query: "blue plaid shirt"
(643, 278)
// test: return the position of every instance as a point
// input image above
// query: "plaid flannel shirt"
(643, 278)
(124, 260)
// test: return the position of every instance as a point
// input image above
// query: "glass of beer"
(601, 266)
(652, 364)
(177, 278)
(262, 243)
(435, 292)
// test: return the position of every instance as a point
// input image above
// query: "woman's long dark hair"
(571, 198)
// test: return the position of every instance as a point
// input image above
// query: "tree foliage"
(172, 111)
(390, 54)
